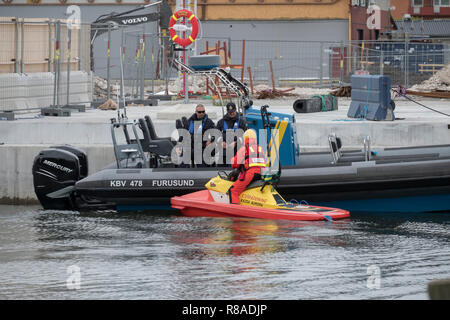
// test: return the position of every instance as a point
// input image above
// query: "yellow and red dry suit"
(250, 159)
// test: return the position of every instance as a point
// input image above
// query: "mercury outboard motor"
(55, 172)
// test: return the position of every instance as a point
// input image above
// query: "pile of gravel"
(440, 81)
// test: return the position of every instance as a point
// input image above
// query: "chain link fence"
(310, 64)
(43, 62)
(296, 63)
(52, 55)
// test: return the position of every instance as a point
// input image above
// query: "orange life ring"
(173, 20)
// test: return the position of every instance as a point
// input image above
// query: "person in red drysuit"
(250, 160)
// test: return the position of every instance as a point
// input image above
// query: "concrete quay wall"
(16, 162)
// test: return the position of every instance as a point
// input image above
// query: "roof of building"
(431, 28)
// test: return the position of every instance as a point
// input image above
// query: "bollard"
(439, 289)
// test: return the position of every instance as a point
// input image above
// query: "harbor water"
(161, 255)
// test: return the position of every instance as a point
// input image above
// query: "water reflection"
(239, 236)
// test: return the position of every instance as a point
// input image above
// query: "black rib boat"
(409, 179)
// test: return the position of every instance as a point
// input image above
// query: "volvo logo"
(135, 20)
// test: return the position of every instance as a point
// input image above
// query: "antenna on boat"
(271, 143)
(122, 89)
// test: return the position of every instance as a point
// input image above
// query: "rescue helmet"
(249, 134)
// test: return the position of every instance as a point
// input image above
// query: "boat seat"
(254, 184)
(160, 147)
(257, 181)
(335, 144)
(152, 131)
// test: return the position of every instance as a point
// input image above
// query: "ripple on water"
(156, 256)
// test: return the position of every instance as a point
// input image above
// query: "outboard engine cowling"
(55, 172)
(82, 157)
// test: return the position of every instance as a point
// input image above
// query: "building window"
(442, 3)
(417, 3)
(360, 34)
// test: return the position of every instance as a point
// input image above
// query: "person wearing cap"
(232, 121)
(250, 159)
(197, 125)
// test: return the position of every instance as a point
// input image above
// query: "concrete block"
(12, 91)
(371, 98)
(145, 102)
(75, 107)
(439, 289)
(7, 115)
(183, 110)
(35, 90)
(55, 112)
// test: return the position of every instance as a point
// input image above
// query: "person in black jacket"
(232, 121)
(197, 125)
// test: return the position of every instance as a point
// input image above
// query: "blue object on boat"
(289, 148)
(204, 62)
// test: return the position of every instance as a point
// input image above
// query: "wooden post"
(225, 53)
(251, 78)
(271, 75)
(207, 80)
(217, 79)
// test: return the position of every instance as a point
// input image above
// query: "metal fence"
(297, 63)
(279, 63)
(41, 54)
(29, 46)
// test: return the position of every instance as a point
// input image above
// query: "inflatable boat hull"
(201, 204)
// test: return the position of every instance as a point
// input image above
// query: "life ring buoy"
(173, 20)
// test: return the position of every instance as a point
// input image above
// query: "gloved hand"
(234, 175)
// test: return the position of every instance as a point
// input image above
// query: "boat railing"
(128, 154)
(367, 150)
(335, 144)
